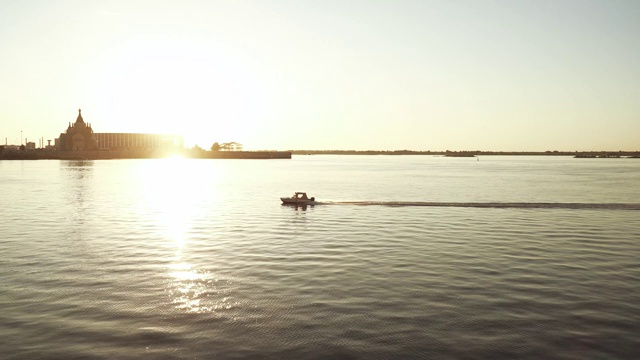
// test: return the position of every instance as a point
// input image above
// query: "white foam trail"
(499, 205)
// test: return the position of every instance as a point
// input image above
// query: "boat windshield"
(300, 195)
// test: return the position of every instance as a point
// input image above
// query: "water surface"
(183, 259)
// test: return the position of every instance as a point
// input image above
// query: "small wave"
(499, 205)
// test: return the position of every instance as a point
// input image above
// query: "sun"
(193, 87)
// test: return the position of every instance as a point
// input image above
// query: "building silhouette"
(137, 141)
(80, 136)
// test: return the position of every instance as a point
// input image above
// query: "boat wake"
(498, 205)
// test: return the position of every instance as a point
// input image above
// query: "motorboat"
(298, 198)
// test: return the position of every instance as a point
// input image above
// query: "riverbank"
(139, 154)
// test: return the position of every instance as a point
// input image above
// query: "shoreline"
(577, 154)
(40, 154)
(139, 154)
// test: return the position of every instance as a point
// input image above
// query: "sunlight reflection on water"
(196, 291)
(188, 287)
(175, 188)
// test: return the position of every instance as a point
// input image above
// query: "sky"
(328, 75)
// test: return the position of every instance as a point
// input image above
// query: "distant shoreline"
(577, 154)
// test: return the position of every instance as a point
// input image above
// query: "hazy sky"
(273, 74)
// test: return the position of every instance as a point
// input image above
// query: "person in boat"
(304, 196)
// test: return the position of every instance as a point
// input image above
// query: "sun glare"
(173, 187)
(191, 87)
(172, 192)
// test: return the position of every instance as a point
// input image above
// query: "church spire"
(80, 124)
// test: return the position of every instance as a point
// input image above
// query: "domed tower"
(79, 136)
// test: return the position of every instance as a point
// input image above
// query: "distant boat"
(298, 198)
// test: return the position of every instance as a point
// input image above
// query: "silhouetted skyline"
(381, 75)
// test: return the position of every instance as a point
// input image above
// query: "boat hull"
(290, 201)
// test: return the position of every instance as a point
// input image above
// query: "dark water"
(407, 257)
